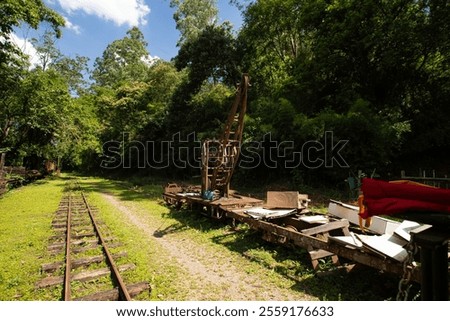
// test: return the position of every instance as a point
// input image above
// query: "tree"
(368, 70)
(71, 69)
(14, 13)
(46, 49)
(211, 63)
(77, 142)
(270, 40)
(74, 71)
(193, 16)
(136, 106)
(164, 80)
(12, 61)
(126, 59)
(40, 106)
(381, 53)
(212, 55)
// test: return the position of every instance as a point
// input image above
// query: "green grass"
(26, 215)
(281, 266)
(147, 204)
(140, 253)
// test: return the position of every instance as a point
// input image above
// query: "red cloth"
(384, 198)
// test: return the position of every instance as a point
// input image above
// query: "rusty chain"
(409, 265)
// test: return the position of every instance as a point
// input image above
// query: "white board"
(350, 240)
(382, 245)
(314, 219)
(259, 212)
(405, 228)
(380, 225)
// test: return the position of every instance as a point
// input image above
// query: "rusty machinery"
(219, 157)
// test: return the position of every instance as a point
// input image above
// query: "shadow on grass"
(362, 283)
(174, 228)
(124, 190)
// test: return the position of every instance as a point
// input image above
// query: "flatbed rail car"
(321, 235)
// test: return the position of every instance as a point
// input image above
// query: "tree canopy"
(123, 60)
(374, 74)
(193, 16)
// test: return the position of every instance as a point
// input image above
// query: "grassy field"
(26, 215)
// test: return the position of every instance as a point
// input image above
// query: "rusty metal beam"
(306, 241)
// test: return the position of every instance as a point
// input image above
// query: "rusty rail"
(67, 272)
(123, 292)
(76, 231)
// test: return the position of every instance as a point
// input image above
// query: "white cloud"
(71, 26)
(27, 48)
(131, 12)
(150, 60)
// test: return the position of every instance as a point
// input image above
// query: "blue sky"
(92, 24)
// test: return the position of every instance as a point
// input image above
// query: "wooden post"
(58, 166)
(2, 163)
(433, 245)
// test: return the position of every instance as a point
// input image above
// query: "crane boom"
(219, 157)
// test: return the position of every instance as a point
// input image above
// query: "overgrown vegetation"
(374, 74)
(281, 266)
(26, 214)
(367, 72)
(26, 230)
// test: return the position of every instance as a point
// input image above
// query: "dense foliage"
(337, 86)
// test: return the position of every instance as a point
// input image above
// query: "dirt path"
(207, 270)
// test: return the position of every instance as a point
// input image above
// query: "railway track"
(86, 256)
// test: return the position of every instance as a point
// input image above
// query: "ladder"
(219, 157)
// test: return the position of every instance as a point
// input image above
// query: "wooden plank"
(236, 200)
(75, 237)
(326, 227)
(59, 246)
(84, 248)
(172, 188)
(319, 254)
(82, 276)
(61, 225)
(316, 254)
(113, 295)
(91, 275)
(262, 213)
(51, 267)
(282, 200)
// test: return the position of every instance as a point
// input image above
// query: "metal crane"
(219, 157)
